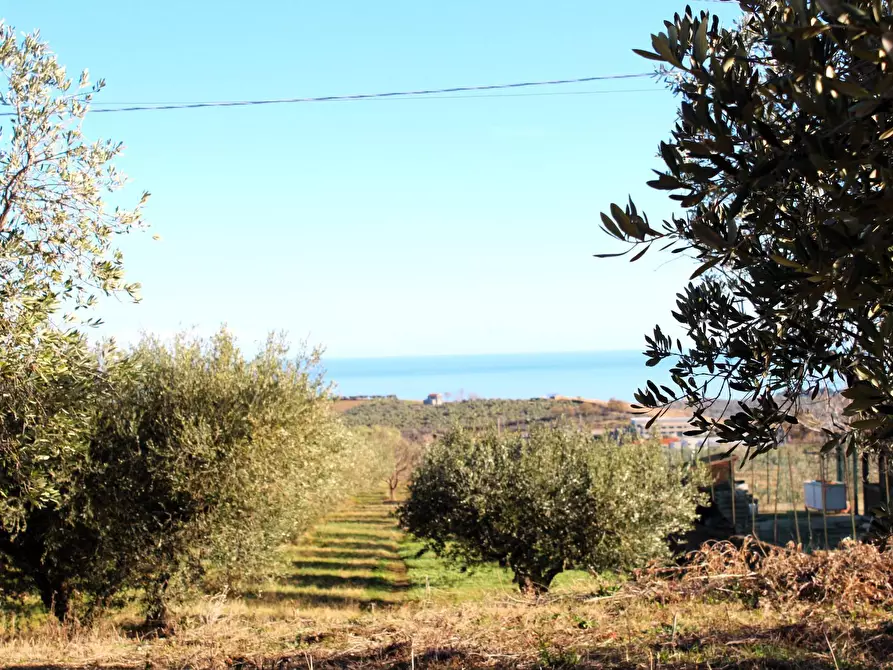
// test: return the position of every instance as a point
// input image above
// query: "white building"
(671, 431)
(433, 399)
(665, 426)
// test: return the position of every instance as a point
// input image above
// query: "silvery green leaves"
(57, 254)
(781, 158)
(57, 248)
(179, 462)
(551, 501)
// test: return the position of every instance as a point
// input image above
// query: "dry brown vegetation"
(621, 631)
(345, 405)
(852, 579)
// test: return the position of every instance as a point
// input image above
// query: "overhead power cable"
(456, 96)
(437, 92)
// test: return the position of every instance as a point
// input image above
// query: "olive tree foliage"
(782, 160)
(200, 462)
(397, 456)
(57, 254)
(555, 501)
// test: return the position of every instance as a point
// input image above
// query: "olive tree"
(57, 255)
(782, 162)
(555, 501)
(200, 462)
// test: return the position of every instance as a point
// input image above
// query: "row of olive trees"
(555, 501)
(146, 471)
(184, 462)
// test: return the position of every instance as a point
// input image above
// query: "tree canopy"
(782, 161)
(555, 501)
(198, 462)
(57, 254)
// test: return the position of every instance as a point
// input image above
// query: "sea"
(598, 375)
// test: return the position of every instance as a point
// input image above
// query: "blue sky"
(399, 227)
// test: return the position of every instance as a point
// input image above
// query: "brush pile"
(850, 578)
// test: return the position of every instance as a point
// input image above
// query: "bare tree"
(406, 456)
(398, 455)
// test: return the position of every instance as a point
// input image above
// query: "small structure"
(664, 426)
(671, 432)
(433, 399)
(827, 496)
(876, 492)
(733, 505)
(721, 467)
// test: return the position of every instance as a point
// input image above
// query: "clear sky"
(395, 227)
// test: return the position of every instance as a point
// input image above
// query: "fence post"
(882, 473)
(777, 480)
(733, 489)
(841, 464)
(852, 512)
(793, 499)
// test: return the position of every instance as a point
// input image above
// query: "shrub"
(198, 464)
(557, 500)
(44, 438)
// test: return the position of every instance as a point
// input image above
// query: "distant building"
(665, 426)
(671, 431)
(433, 399)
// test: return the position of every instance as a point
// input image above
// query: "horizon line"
(481, 355)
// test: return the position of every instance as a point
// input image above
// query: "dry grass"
(345, 603)
(344, 405)
(562, 633)
(855, 578)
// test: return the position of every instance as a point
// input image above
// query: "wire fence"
(776, 479)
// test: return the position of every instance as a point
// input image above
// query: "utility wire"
(437, 92)
(656, 89)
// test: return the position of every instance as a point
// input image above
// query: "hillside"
(416, 420)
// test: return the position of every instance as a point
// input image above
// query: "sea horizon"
(598, 375)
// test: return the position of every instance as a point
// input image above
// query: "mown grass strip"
(350, 560)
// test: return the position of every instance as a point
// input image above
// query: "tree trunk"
(532, 585)
(392, 486)
(158, 619)
(158, 616)
(56, 597)
(26, 553)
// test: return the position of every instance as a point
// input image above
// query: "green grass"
(433, 578)
(350, 560)
(359, 557)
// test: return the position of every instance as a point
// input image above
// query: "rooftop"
(663, 419)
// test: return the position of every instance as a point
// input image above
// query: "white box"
(830, 496)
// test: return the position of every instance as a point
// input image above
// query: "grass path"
(359, 558)
(352, 559)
